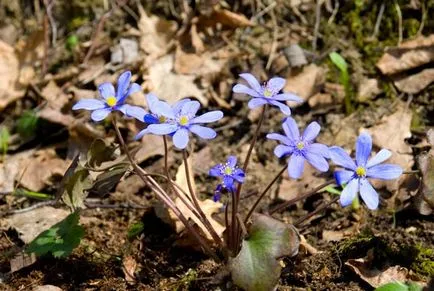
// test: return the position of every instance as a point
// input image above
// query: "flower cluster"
(179, 120)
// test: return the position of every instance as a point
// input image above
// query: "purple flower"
(177, 121)
(301, 148)
(356, 174)
(267, 93)
(230, 174)
(110, 99)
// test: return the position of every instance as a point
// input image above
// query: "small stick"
(34, 206)
(99, 28)
(288, 203)
(399, 13)
(379, 18)
(319, 209)
(317, 23)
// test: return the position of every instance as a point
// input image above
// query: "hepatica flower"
(269, 93)
(230, 173)
(110, 100)
(177, 121)
(357, 172)
(301, 148)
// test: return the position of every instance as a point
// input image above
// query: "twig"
(399, 14)
(274, 43)
(116, 206)
(317, 23)
(334, 13)
(34, 206)
(423, 20)
(378, 21)
(48, 9)
(319, 209)
(263, 11)
(46, 47)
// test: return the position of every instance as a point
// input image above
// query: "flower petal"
(317, 161)
(340, 157)
(89, 104)
(133, 89)
(252, 81)
(216, 171)
(161, 108)
(243, 89)
(180, 138)
(228, 181)
(232, 161)
(100, 114)
(283, 139)
(349, 192)
(284, 108)
(151, 119)
(256, 102)
(136, 112)
(208, 117)
(151, 99)
(384, 172)
(178, 105)
(202, 131)
(123, 108)
(380, 157)
(190, 108)
(239, 175)
(368, 194)
(141, 134)
(319, 149)
(106, 90)
(311, 131)
(287, 97)
(363, 149)
(276, 84)
(291, 129)
(282, 150)
(123, 83)
(296, 166)
(343, 176)
(161, 128)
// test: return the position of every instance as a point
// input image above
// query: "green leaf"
(27, 123)
(256, 267)
(4, 140)
(396, 286)
(99, 152)
(135, 230)
(339, 62)
(76, 188)
(60, 239)
(107, 180)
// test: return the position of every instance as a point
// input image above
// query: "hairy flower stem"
(264, 192)
(204, 219)
(237, 233)
(288, 203)
(163, 195)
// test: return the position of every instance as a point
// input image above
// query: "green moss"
(424, 261)
(356, 246)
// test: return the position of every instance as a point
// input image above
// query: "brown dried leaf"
(425, 202)
(415, 83)
(129, 266)
(226, 18)
(410, 54)
(22, 260)
(207, 64)
(306, 82)
(368, 89)
(11, 168)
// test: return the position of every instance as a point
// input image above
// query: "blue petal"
(151, 119)
(288, 97)
(100, 114)
(311, 131)
(208, 117)
(317, 161)
(190, 108)
(161, 108)
(291, 130)
(239, 175)
(368, 194)
(136, 112)
(343, 176)
(340, 157)
(180, 138)
(232, 161)
(133, 89)
(228, 181)
(123, 83)
(363, 149)
(178, 105)
(319, 149)
(252, 81)
(256, 102)
(216, 171)
(122, 108)
(89, 104)
(243, 89)
(106, 90)
(282, 150)
(384, 172)
(349, 192)
(380, 157)
(217, 195)
(141, 134)
(296, 166)
(202, 131)
(152, 100)
(283, 139)
(284, 108)
(276, 84)
(161, 128)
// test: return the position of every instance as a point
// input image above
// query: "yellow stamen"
(228, 170)
(111, 101)
(300, 145)
(361, 172)
(162, 119)
(183, 120)
(267, 93)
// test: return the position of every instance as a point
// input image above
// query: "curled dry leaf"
(409, 55)
(226, 18)
(415, 83)
(425, 201)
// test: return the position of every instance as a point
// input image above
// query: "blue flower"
(110, 100)
(177, 121)
(230, 174)
(356, 174)
(301, 148)
(267, 93)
